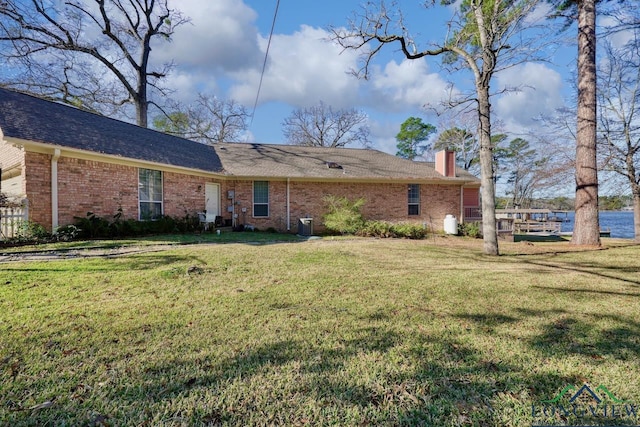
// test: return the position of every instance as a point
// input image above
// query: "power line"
(264, 64)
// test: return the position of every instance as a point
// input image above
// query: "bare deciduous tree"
(322, 126)
(619, 110)
(483, 37)
(527, 171)
(459, 135)
(210, 120)
(94, 54)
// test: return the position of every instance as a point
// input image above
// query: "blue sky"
(221, 53)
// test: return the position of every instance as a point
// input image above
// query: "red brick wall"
(38, 187)
(92, 186)
(184, 194)
(102, 188)
(383, 202)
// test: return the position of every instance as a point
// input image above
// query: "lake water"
(619, 222)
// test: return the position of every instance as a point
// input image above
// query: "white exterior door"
(212, 199)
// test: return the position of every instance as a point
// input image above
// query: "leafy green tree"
(413, 133)
(176, 123)
(612, 203)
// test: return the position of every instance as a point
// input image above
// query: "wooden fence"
(12, 218)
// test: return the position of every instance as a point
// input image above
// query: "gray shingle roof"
(34, 119)
(289, 161)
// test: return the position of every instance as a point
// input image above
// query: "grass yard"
(321, 332)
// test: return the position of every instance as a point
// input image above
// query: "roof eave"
(47, 148)
(376, 180)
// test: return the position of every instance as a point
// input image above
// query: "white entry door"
(212, 199)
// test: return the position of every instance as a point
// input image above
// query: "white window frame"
(260, 203)
(151, 196)
(413, 201)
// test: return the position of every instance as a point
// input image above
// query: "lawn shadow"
(581, 335)
(145, 260)
(460, 384)
(539, 238)
(592, 268)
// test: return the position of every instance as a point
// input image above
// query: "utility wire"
(264, 64)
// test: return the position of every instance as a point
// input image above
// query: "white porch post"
(461, 204)
(54, 189)
(288, 207)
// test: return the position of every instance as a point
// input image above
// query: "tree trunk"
(586, 230)
(636, 215)
(142, 108)
(488, 189)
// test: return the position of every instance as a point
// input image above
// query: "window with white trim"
(413, 199)
(150, 194)
(260, 198)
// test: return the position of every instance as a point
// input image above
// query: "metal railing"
(472, 214)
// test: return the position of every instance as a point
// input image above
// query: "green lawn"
(320, 332)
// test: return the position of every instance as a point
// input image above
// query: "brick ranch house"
(66, 162)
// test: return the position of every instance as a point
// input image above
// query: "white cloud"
(538, 91)
(619, 38)
(407, 85)
(383, 135)
(220, 36)
(303, 69)
(221, 52)
(540, 14)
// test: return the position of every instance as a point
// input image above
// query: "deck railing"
(12, 219)
(537, 227)
(472, 214)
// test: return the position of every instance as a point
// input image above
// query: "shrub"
(470, 229)
(344, 216)
(410, 230)
(66, 233)
(93, 226)
(33, 231)
(382, 229)
(28, 232)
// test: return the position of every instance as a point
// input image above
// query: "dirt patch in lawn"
(58, 254)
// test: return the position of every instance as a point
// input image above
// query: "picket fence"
(12, 218)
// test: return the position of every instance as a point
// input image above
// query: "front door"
(212, 199)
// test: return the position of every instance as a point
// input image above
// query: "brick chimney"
(446, 163)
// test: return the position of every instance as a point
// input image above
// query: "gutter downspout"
(462, 204)
(54, 189)
(288, 207)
